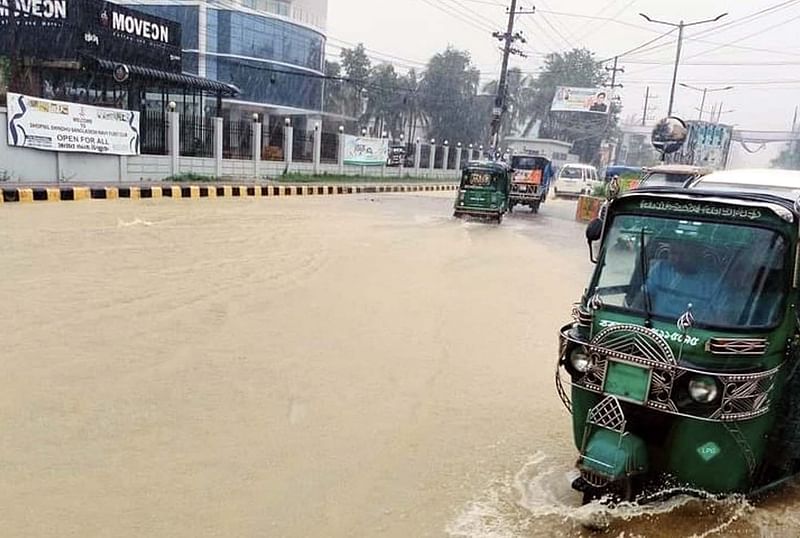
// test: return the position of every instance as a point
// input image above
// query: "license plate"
(628, 381)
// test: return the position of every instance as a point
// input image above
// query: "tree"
(356, 66)
(384, 99)
(585, 130)
(448, 96)
(789, 157)
(520, 94)
(334, 89)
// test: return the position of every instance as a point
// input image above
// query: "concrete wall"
(31, 165)
(22, 165)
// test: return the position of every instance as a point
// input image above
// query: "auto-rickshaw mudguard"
(613, 455)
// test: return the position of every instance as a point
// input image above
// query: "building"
(273, 51)
(100, 53)
(556, 151)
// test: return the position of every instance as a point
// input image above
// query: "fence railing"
(153, 132)
(303, 146)
(237, 140)
(451, 158)
(438, 159)
(329, 150)
(272, 143)
(425, 156)
(196, 136)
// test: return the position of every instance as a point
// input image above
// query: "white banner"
(60, 126)
(365, 151)
(568, 99)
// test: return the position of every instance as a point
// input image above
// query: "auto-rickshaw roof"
(784, 208)
(497, 166)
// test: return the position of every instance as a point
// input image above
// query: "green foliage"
(186, 177)
(356, 67)
(586, 131)
(324, 177)
(449, 97)
(789, 158)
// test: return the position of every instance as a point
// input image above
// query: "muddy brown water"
(347, 366)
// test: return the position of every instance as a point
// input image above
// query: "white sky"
(767, 81)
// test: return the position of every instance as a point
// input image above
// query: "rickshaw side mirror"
(593, 233)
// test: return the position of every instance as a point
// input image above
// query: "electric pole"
(646, 105)
(680, 26)
(509, 37)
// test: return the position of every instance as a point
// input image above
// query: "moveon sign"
(45, 9)
(138, 27)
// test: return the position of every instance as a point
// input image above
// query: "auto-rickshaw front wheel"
(622, 491)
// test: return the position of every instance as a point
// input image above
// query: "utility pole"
(509, 37)
(646, 104)
(612, 102)
(680, 26)
(703, 100)
(614, 70)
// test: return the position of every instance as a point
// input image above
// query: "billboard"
(59, 126)
(707, 144)
(570, 99)
(69, 29)
(365, 151)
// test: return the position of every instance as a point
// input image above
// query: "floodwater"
(346, 366)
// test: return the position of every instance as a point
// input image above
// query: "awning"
(183, 79)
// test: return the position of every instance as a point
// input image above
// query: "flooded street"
(341, 366)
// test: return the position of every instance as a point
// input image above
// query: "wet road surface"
(345, 366)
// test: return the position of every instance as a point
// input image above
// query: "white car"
(576, 179)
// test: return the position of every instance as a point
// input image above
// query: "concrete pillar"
(458, 156)
(257, 132)
(288, 137)
(218, 147)
(341, 152)
(317, 148)
(417, 156)
(123, 168)
(174, 142)
(432, 159)
(446, 156)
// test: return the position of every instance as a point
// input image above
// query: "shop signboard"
(365, 151)
(707, 144)
(67, 29)
(570, 99)
(71, 127)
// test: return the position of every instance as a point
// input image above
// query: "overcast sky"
(766, 80)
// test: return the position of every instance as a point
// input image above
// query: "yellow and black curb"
(55, 194)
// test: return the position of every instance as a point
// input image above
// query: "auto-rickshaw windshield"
(478, 178)
(733, 276)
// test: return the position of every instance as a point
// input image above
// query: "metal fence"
(196, 136)
(329, 152)
(451, 158)
(153, 131)
(272, 143)
(237, 140)
(303, 146)
(425, 157)
(439, 157)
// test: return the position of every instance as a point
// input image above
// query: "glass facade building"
(272, 50)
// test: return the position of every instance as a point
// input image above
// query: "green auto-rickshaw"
(484, 190)
(682, 359)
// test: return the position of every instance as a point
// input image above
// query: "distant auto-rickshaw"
(484, 190)
(532, 177)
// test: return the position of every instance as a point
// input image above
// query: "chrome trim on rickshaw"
(744, 396)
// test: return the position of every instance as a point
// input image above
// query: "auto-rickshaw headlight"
(703, 389)
(579, 360)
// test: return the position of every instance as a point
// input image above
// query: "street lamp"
(341, 129)
(363, 131)
(433, 141)
(705, 91)
(446, 143)
(680, 26)
(287, 122)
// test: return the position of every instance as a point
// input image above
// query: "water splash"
(539, 501)
(135, 222)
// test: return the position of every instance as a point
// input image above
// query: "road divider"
(66, 194)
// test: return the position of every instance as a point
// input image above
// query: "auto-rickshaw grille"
(742, 396)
